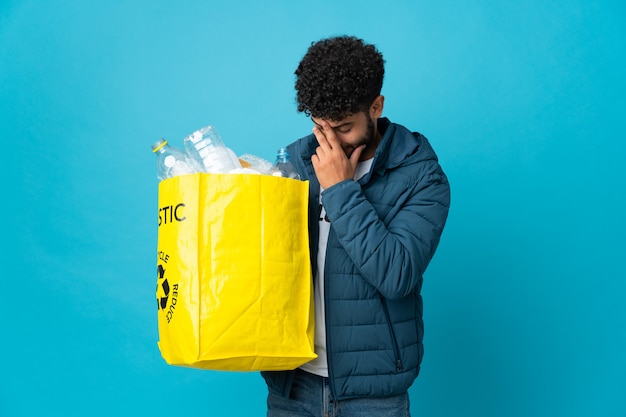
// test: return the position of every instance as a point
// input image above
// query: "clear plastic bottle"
(283, 167)
(206, 148)
(171, 161)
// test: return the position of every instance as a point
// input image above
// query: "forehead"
(351, 118)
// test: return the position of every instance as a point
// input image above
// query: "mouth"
(349, 149)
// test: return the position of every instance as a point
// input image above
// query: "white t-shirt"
(319, 366)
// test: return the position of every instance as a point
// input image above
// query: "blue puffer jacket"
(384, 231)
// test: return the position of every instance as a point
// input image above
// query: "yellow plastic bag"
(234, 287)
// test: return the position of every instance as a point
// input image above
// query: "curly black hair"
(337, 77)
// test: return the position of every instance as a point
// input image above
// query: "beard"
(368, 138)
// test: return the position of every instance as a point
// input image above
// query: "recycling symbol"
(163, 290)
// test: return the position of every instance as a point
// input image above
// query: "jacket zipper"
(331, 382)
(396, 348)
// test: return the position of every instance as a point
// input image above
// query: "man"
(378, 204)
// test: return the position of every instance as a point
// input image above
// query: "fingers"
(330, 135)
(323, 148)
(315, 159)
(321, 138)
(356, 154)
(326, 136)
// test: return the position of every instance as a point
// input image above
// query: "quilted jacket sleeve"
(391, 244)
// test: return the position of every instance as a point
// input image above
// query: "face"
(353, 131)
(358, 129)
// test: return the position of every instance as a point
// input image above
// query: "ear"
(376, 109)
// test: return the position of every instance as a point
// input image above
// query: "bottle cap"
(158, 144)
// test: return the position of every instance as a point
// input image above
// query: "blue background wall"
(522, 100)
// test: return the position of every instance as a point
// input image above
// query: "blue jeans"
(310, 396)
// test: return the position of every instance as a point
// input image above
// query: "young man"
(378, 205)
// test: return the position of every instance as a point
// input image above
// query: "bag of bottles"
(205, 152)
(234, 289)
